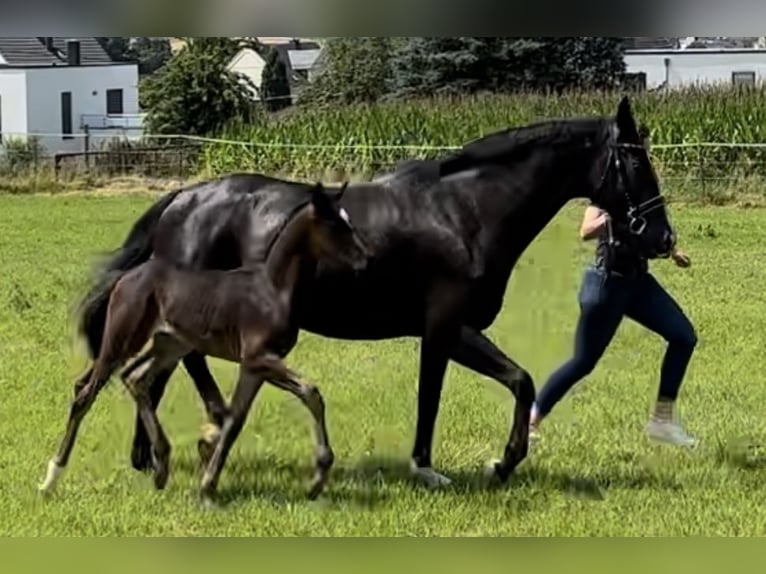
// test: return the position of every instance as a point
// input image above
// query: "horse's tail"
(135, 250)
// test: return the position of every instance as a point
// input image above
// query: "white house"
(299, 57)
(674, 68)
(57, 89)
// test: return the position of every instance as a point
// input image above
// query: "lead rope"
(609, 231)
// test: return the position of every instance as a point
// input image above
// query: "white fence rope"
(95, 136)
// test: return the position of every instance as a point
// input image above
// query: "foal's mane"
(511, 141)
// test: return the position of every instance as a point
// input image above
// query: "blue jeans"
(604, 300)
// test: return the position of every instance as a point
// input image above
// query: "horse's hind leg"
(310, 396)
(212, 399)
(79, 408)
(165, 352)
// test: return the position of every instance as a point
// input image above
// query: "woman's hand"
(593, 222)
(680, 258)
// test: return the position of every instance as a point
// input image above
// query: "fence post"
(86, 149)
(701, 168)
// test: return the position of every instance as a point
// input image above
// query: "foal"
(237, 315)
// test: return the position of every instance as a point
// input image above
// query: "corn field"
(365, 139)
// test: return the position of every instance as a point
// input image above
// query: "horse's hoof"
(430, 477)
(161, 475)
(493, 473)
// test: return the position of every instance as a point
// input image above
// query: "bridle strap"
(636, 213)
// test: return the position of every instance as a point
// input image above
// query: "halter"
(636, 213)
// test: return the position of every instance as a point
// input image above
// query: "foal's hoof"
(141, 457)
(161, 474)
(205, 451)
(208, 499)
(429, 477)
(317, 486)
(209, 503)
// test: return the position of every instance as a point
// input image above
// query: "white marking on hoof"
(490, 474)
(52, 476)
(429, 476)
(211, 433)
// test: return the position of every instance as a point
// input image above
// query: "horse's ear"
(321, 201)
(625, 122)
(342, 191)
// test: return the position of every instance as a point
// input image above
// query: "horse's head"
(332, 233)
(626, 186)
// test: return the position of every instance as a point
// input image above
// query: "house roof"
(649, 43)
(697, 42)
(32, 51)
(303, 59)
(293, 52)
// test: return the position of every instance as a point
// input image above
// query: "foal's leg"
(209, 392)
(166, 351)
(248, 384)
(84, 399)
(282, 377)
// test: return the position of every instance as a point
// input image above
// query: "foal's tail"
(136, 249)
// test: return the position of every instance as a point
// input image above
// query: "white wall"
(693, 66)
(88, 85)
(13, 103)
(249, 63)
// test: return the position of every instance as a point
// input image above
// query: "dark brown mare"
(444, 237)
(239, 315)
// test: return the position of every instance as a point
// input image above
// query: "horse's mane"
(504, 143)
(285, 221)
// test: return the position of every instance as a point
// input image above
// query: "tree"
(194, 93)
(275, 85)
(151, 53)
(460, 65)
(351, 69)
(116, 46)
(427, 66)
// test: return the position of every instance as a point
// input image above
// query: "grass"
(594, 474)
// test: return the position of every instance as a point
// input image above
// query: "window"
(66, 115)
(114, 102)
(743, 78)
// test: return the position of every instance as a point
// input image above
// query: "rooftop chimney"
(73, 52)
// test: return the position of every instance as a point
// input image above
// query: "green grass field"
(595, 473)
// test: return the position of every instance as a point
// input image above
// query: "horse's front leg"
(476, 352)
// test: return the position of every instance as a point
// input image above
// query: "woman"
(619, 284)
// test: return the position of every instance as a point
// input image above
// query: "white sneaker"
(669, 432)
